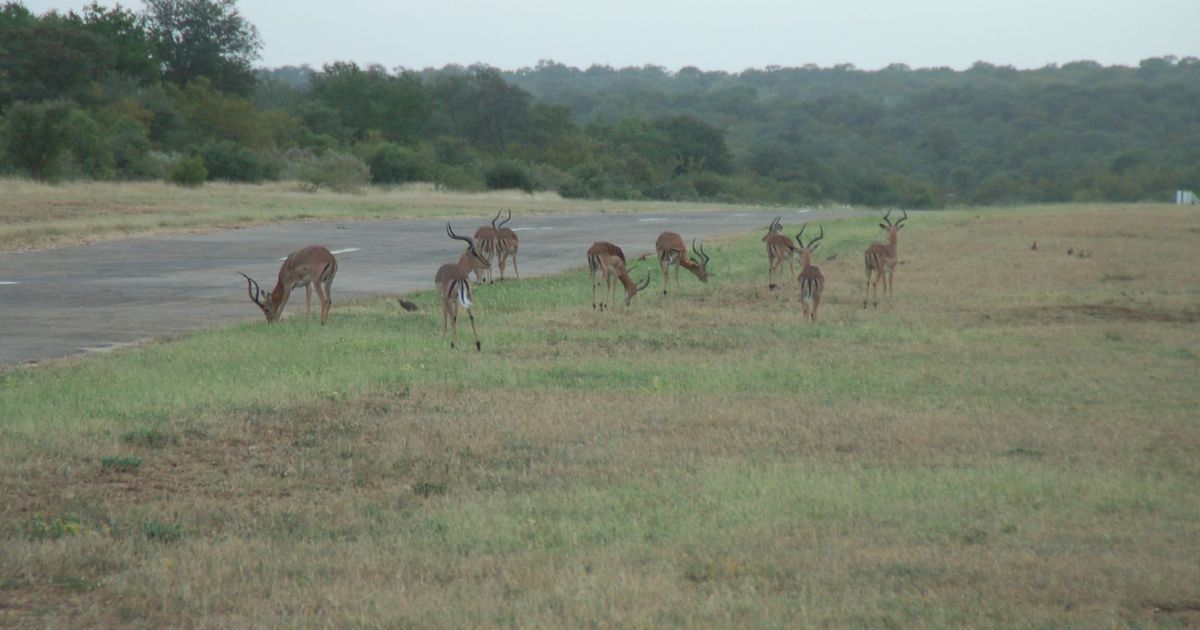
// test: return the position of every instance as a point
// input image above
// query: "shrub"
(52, 528)
(508, 175)
(232, 162)
(36, 135)
(393, 164)
(121, 463)
(336, 171)
(162, 532)
(188, 171)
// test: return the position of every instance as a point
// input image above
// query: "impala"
(779, 249)
(881, 259)
(672, 251)
(488, 241)
(454, 286)
(508, 244)
(812, 281)
(608, 259)
(310, 267)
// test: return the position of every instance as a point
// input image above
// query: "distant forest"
(172, 93)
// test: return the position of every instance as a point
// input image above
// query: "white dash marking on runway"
(651, 220)
(8, 282)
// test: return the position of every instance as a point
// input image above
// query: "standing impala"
(608, 259)
(672, 251)
(881, 259)
(310, 267)
(488, 241)
(812, 281)
(779, 249)
(454, 286)
(508, 244)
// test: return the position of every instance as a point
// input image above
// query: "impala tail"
(463, 291)
(808, 290)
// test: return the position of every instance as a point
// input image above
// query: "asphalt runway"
(65, 301)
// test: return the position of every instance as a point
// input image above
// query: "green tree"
(36, 137)
(370, 100)
(204, 38)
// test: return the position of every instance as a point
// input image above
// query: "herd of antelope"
(314, 267)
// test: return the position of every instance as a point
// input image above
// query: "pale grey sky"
(715, 35)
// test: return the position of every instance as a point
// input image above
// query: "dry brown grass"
(1010, 442)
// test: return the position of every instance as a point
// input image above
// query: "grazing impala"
(812, 281)
(672, 251)
(779, 249)
(310, 267)
(508, 245)
(454, 286)
(881, 259)
(608, 259)
(488, 241)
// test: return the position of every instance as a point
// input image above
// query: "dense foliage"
(109, 93)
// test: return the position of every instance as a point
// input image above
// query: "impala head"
(893, 228)
(773, 228)
(632, 291)
(701, 262)
(474, 258)
(813, 243)
(262, 299)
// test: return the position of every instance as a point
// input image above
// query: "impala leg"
(478, 346)
(662, 263)
(320, 291)
(611, 296)
(594, 283)
(516, 272)
(867, 289)
(453, 326)
(816, 304)
(307, 300)
(326, 300)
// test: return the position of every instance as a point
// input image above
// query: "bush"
(393, 164)
(336, 171)
(232, 162)
(188, 171)
(36, 136)
(507, 175)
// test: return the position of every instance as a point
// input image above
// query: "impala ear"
(814, 247)
(883, 226)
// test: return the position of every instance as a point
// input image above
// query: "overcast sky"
(728, 35)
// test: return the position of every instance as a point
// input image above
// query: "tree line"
(171, 93)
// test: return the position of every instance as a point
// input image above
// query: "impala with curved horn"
(608, 259)
(488, 240)
(507, 245)
(812, 281)
(453, 282)
(779, 249)
(672, 251)
(312, 267)
(881, 259)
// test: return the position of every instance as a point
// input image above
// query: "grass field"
(1011, 441)
(36, 216)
